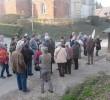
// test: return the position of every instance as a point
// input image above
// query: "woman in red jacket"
(4, 59)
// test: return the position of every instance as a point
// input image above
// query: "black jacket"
(27, 54)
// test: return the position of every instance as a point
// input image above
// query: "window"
(43, 8)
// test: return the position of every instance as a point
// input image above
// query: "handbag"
(37, 68)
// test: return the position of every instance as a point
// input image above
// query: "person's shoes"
(62, 76)
(42, 92)
(31, 74)
(88, 63)
(3, 77)
(26, 91)
(9, 75)
(50, 91)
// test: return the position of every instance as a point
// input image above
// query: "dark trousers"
(4, 67)
(76, 63)
(97, 52)
(61, 67)
(29, 67)
(22, 81)
(68, 67)
(85, 51)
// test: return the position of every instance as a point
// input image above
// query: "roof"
(107, 30)
(103, 12)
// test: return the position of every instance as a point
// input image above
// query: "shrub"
(9, 19)
(9, 29)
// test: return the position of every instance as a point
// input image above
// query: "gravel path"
(8, 87)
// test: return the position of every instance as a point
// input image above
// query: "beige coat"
(18, 63)
(60, 55)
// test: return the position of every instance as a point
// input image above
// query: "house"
(49, 9)
(2, 8)
(103, 12)
(23, 7)
(10, 6)
(43, 9)
(82, 8)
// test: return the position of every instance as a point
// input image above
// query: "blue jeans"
(22, 81)
(5, 67)
(29, 67)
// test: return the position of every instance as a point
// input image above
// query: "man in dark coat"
(27, 54)
(76, 48)
(98, 45)
(90, 50)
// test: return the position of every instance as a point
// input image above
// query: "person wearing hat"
(45, 65)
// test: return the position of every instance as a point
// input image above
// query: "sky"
(105, 3)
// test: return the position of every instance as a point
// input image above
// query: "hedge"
(9, 29)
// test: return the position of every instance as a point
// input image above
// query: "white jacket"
(60, 55)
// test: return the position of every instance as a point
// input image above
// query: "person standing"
(90, 50)
(69, 51)
(4, 60)
(76, 48)
(33, 43)
(27, 54)
(60, 56)
(20, 69)
(98, 45)
(45, 65)
(12, 45)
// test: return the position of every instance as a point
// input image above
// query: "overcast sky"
(105, 3)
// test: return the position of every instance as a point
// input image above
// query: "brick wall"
(24, 7)
(2, 8)
(49, 9)
(10, 6)
(62, 8)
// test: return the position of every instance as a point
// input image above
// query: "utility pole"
(32, 15)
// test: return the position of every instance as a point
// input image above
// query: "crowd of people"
(41, 52)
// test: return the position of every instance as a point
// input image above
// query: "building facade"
(2, 8)
(10, 6)
(49, 9)
(43, 9)
(82, 8)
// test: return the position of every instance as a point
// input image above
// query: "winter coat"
(45, 60)
(18, 63)
(12, 46)
(33, 44)
(76, 50)
(98, 44)
(27, 54)
(69, 53)
(37, 54)
(4, 58)
(60, 55)
(90, 46)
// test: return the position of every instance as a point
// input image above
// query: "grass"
(95, 88)
(55, 31)
(9, 29)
